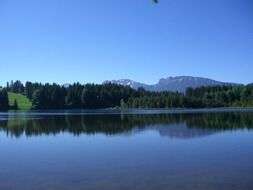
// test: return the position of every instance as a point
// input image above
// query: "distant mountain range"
(174, 84)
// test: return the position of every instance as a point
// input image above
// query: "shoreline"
(116, 111)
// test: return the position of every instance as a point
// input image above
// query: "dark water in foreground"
(127, 150)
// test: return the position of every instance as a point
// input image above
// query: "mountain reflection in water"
(183, 126)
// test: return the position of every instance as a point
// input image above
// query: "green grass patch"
(23, 102)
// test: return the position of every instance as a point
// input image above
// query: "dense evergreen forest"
(92, 96)
(4, 101)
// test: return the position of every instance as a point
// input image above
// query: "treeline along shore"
(94, 96)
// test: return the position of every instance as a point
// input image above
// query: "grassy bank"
(23, 102)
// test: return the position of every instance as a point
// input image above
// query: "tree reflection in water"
(173, 125)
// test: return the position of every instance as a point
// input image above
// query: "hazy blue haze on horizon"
(92, 41)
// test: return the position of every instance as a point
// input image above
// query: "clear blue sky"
(90, 41)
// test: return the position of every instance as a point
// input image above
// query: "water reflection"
(146, 151)
(186, 125)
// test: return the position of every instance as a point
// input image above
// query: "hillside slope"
(23, 102)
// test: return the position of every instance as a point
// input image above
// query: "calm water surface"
(108, 149)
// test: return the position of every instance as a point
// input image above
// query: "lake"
(127, 149)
